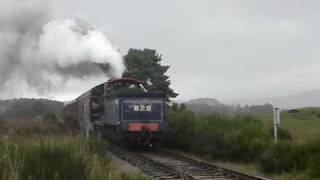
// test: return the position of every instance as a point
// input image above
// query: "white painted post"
(278, 117)
(276, 123)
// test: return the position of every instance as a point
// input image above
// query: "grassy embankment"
(38, 149)
(246, 143)
(303, 124)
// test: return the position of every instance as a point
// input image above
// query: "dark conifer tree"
(146, 65)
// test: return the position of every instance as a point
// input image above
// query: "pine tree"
(145, 65)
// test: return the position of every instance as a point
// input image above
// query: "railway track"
(162, 164)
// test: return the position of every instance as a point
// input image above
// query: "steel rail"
(204, 165)
(164, 164)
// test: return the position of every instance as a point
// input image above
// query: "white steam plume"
(38, 54)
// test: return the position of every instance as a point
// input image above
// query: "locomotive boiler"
(121, 110)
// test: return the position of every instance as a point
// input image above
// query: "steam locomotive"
(121, 110)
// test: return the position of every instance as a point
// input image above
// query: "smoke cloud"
(39, 54)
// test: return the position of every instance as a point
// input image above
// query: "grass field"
(303, 124)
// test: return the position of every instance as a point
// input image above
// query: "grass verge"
(57, 158)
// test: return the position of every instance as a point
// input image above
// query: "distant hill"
(306, 99)
(207, 106)
(205, 101)
(213, 106)
(22, 108)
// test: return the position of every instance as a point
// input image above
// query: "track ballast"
(161, 164)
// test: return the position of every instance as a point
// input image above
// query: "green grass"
(303, 125)
(38, 149)
(57, 158)
(249, 168)
(254, 169)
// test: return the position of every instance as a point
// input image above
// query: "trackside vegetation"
(41, 149)
(236, 139)
(243, 139)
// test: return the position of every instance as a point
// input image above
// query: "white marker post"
(276, 123)
(278, 118)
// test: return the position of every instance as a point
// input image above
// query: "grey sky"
(222, 49)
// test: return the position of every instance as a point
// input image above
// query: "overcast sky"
(222, 49)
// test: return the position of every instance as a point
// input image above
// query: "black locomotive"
(121, 110)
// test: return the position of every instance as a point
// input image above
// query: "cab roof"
(125, 79)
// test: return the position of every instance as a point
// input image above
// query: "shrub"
(3, 127)
(283, 134)
(269, 161)
(314, 164)
(282, 157)
(180, 130)
(238, 139)
(241, 139)
(293, 111)
(50, 117)
(247, 140)
(288, 157)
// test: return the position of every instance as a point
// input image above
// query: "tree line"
(28, 108)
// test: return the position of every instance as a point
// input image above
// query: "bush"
(293, 111)
(3, 127)
(241, 139)
(180, 129)
(279, 158)
(247, 140)
(237, 139)
(315, 165)
(50, 118)
(283, 134)
(288, 157)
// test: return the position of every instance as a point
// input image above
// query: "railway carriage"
(121, 110)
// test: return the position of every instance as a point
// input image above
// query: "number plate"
(142, 108)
